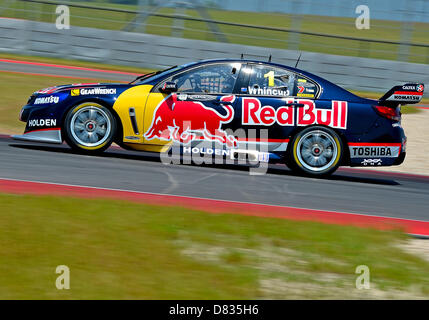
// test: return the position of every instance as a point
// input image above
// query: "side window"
(213, 78)
(267, 80)
(305, 88)
(270, 81)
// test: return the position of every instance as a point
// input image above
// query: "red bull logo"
(181, 121)
(254, 113)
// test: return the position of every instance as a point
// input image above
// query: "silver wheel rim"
(90, 126)
(317, 150)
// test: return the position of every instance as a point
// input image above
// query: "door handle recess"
(296, 104)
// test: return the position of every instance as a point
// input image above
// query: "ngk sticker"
(253, 113)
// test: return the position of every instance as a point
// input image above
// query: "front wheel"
(89, 127)
(315, 151)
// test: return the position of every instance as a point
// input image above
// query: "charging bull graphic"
(181, 120)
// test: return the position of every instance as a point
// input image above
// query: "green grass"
(380, 29)
(122, 250)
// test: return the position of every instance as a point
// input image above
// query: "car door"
(269, 105)
(201, 106)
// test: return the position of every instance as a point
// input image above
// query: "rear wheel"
(89, 127)
(316, 151)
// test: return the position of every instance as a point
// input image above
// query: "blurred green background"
(406, 40)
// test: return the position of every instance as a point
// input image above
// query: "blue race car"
(245, 109)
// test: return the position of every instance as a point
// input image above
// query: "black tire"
(315, 151)
(89, 128)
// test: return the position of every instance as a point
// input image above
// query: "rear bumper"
(400, 159)
(43, 135)
(376, 154)
(384, 145)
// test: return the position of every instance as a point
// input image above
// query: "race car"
(256, 110)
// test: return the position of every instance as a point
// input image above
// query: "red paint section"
(410, 93)
(218, 206)
(65, 66)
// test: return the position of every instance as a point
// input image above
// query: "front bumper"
(43, 135)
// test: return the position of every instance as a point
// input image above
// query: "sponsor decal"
(169, 86)
(408, 96)
(305, 95)
(47, 100)
(253, 113)
(374, 151)
(408, 87)
(371, 162)
(209, 151)
(91, 91)
(302, 80)
(420, 88)
(42, 123)
(305, 92)
(269, 92)
(181, 121)
(200, 97)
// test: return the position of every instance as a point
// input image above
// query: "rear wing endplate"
(409, 93)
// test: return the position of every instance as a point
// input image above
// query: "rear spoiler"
(409, 93)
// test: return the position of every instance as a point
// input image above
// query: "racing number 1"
(270, 76)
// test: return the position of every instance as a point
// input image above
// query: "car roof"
(305, 73)
(329, 89)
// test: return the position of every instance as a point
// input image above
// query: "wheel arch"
(346, 155)
(345, 158)
(119, 130)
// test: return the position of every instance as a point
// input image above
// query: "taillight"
(388, 112)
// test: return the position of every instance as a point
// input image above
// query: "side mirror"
(168, 87)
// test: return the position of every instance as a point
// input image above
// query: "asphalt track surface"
(348, 190)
